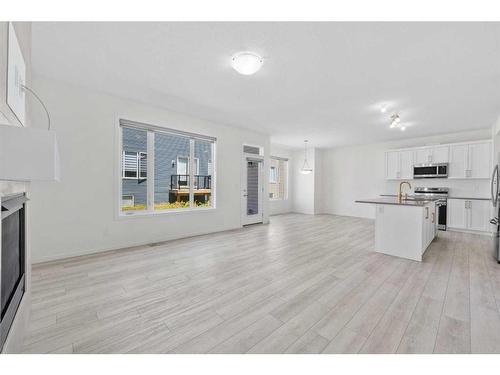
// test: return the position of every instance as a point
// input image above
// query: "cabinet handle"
(433, 217)
(426, 212)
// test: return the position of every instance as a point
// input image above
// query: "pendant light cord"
(26, 88)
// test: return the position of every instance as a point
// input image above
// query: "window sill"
(144, 214)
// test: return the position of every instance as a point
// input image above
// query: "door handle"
(494, 183)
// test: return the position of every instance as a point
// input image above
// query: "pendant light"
(306, 169)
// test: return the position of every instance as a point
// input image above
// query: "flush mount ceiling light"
(246, 63)
(306, 169)
(396, 122)
(383, 109)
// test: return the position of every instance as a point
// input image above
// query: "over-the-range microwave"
(432, 170)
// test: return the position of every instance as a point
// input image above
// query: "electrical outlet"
(16, 77)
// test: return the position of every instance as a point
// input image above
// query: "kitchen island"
(404, 227)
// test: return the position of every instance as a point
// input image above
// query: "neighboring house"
(171, 168)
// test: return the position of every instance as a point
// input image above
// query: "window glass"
(171, 172)
(273, 174)
(203, 173)
(278, 178)
(134, 169)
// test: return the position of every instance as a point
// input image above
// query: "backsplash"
(458, 188)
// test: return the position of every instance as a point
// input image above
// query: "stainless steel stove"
(436, 192)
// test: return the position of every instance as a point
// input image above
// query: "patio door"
(183, 169)
(252, 191)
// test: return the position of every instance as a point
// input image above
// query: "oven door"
(441, 208)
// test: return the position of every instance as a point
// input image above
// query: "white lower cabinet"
(429, 225)
(479, 215)
(404, 231)
(469, 214)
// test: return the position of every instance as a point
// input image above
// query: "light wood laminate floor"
(303, 284)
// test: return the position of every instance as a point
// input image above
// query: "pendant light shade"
(306, 169)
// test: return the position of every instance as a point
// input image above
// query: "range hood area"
(28, 154)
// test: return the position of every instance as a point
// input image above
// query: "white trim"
(150, 170)
(191, 172)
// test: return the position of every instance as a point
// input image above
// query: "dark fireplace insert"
(12, 260)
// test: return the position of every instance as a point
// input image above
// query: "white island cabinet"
(404, 228)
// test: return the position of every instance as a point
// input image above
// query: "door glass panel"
(252, 187)
(134, 169)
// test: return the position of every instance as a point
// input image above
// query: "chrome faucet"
(400, 193)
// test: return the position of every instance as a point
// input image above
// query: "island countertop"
(403, 202)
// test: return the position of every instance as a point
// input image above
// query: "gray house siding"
(167, 148)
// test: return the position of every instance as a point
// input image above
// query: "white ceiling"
(320, 81)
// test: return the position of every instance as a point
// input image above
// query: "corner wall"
(79, 215)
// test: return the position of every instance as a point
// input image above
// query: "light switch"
(16, 76)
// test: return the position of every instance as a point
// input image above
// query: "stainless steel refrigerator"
(495, 191)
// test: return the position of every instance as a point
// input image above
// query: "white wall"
(496, 139)
(319, 178)
(78, 215)
(282, 206)
(303, 184)
(357, 172)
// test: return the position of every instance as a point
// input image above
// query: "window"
(134, 169)
(127, 200)
(273, 175)
(180, 170)
(252, 150)
(278, 172)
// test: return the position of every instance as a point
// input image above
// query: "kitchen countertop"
(465, 198)
(394, 201)
(471, 199)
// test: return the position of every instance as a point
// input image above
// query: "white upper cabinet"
(465, 160)
(458, 161)
(434, 154)
(406, 164)
(479, 160)
(440, 154)
(470, 160)
(399, 165)
(392, 171)
(423, 155)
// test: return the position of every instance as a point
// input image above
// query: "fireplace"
(12, 260)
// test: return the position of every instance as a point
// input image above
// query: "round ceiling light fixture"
(246, 62)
